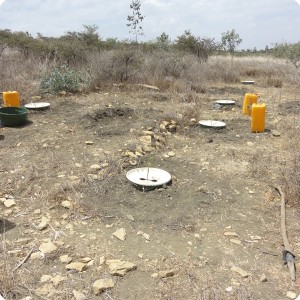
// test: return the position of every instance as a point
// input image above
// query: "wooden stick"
(287, 246)
(23, 261)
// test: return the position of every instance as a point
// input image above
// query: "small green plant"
(65, 79)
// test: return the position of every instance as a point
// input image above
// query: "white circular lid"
(37, 105)
(225, 102)
(212, 124)
(150, 177)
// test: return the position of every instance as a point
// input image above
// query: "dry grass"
(8, 279)
(170, 71)
(190, 79)
(289, 170)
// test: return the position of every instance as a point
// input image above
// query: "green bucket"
(13, 116)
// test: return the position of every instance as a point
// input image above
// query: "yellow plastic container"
(249, 100)
(11, 99)
(258, 117)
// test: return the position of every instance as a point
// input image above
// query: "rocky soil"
(73, 227)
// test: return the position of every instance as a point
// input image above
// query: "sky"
(259, 23)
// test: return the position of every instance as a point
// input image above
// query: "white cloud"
(259, 23)
(157, 3)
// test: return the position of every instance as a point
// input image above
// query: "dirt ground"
(63, 180)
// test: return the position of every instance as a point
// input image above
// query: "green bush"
(65, 79)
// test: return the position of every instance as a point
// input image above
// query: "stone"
(167, 273)
(133, 162)
(47, 247)
(172, 128)
(95, 167)
(229, 289)
(43, 224)
(79, 295)
(230, 233)
(240, 271)
(171, 154)
(120, 234)
(85, 259)
(45, 278)
(147, 148)
(36, 255)
(36, 98)
(90, 263)
(67, 204)
(65, 259)
(7, 213)
(131, 218)
(147, 132)
(78, 266)
(146, 139)
(263, 278)
(236, 241)
(154, 275)
(56, 280)
(23, 241)
(276, 133)
(9, 203)
(120, 267)
(255, 237)
(45, 290)
(89, 142)
(102, 284)
(130, 154)
(291, 295)
(101, 260)
(146, 236)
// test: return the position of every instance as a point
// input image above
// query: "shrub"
(291, 52)
(65, 79)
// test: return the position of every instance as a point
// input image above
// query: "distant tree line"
(74, 46)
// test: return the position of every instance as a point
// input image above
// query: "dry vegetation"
(186, 85)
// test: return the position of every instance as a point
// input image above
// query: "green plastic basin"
(13, 116)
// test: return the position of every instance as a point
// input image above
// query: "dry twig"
(287, 246)
(23, 261)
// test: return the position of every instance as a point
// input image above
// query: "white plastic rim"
(212, 124)
(225, 102)
(148, 177)
(37, 105)
(248, 82)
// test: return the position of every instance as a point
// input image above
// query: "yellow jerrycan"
(11, 99)
(249, 99)
(258, 115)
